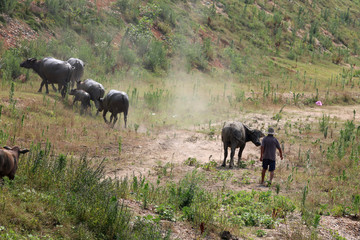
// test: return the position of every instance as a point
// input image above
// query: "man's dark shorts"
(270, 163)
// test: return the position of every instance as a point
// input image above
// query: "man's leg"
(271, 176)
(272, 170)
(263, 175)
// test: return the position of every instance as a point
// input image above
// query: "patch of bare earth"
(147, 154)
(14, 31)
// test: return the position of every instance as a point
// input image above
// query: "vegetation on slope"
(240, 56)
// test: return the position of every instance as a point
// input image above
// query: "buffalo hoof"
(223, 165)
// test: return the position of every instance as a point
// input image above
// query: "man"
(269, 145)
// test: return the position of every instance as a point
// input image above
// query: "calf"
(83, 97)
(9, 158)
(95, 89)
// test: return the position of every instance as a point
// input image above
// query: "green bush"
(127, 56)
(155, 59)
(155, 99)
(7, 6)
(196, 58)
(236, 60)
(10, 64)
(148, 228)
(81, 191)
(166, 212)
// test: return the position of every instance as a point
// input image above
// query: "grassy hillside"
(187, 67)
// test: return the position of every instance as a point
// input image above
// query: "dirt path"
(150, 154)
(176, 145)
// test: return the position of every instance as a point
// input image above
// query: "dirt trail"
(176, 145)
(149, 155)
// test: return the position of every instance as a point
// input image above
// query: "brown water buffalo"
(114, 102)
(9, 158)
(51, 70)
(235, 135)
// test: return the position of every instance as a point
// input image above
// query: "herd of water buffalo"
(65, 73)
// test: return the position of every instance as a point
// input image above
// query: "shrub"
(166, 212)
(236, 60)
(196, 58)
(155, 59)
(81, 191)
(147, 228)
(260, 233)
(10, 64)
(127, 56)
(156, 98)
(7, 6)
(208, 51)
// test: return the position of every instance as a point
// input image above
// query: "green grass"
(195, 72)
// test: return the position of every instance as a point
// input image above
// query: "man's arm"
(280, 152)
(261, 153)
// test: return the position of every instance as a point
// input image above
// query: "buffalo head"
(72, 91)
(255, 136)
(28, 63)
(101, 104)
(16, 149)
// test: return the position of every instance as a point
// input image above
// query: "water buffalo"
(95, 89)
(114, 102)
(79, 66)
(83, 97)
(235, 135)
(51, 70)
(9, 158)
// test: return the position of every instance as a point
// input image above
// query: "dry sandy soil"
(149, 154)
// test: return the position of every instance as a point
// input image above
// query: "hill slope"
(187, 66)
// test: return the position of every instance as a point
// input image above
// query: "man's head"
(271, 131)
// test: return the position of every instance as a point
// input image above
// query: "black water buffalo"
(114, 102)
(51, 70)
(95, 89)
(83, 97)
(9, 158)
(79, 66)
(235, 135)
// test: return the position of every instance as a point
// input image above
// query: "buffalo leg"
(111, 118)
(89, 107)
(104, 115)
(125, 118)
(240, 154)
(225, 155)
(47, 88)
(115, 119)
(54, 88)
(96, 106)
(41, 86)
(231, 165)
(63, 90)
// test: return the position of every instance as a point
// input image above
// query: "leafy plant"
(166, 212)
